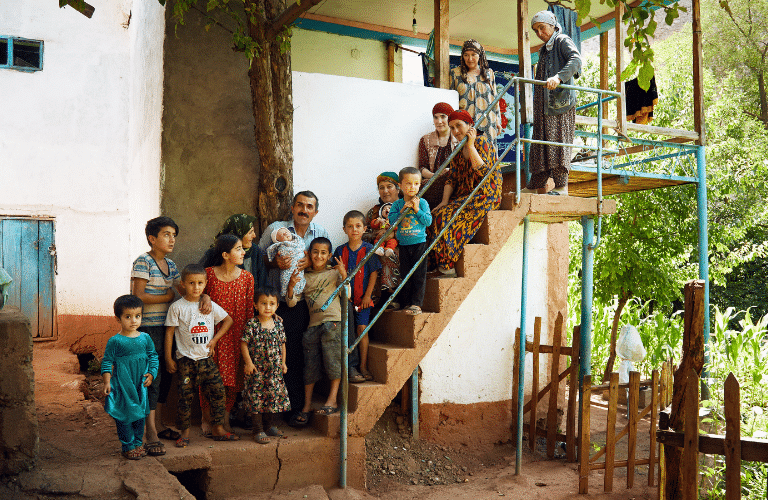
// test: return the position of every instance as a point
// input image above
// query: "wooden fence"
(660, 384)
(556, 349)
(684, 484)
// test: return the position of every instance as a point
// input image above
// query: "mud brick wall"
(18, 418)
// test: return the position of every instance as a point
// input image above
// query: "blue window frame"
(21, 54)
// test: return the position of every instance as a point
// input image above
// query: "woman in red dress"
(231, 288)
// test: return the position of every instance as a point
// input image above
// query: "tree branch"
(288, 16)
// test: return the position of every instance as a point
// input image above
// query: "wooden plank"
(752, 450)
(29, 276)
(524, 59)
(610, 432)
(639, 127)
(543, 433)
(652, 426)
(554, 373)
(624, 432)
(547, 349)
(390, 61)
(12, 258)
(603, 387)
(732, 444)
(632, 400)
(46, 283)
(621, 115)
(698, 74)
(534, 384)
(442, 44)
(584, 435)
(515, 380)
(617, 465)
(663, 384)
(545, 390)
(690, 463)
(573, 392)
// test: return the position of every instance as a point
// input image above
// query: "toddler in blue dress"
(128, 367)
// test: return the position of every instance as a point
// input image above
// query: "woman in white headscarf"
(554, 109)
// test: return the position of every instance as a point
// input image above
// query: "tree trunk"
(614, 329)
(763, 99)
(271, 92)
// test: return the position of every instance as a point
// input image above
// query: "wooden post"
(524, 61)
(573, 392)
(584, 438)
(732, 410)
(690, 462)
(604, 71)
(390, 61)
(610, 432)
(515, 381)
(621, 116)
(654, 422)
(554, 376)
(693, 359)
(698, 75)
(632, 404)
(534, 383)
(442, 45)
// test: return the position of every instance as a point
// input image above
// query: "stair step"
(327, 425)
(474, 261)
(437, 296)
(382, 358)
(364, 392)
(397, 328)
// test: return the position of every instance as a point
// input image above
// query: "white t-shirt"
(193, 329)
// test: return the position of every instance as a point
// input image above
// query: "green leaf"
(644, 75)
(583, 7)
(629, 71)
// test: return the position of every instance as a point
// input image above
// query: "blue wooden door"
(28, 253)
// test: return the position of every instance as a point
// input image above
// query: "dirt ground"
(80, 457)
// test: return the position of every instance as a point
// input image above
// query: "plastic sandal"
(182, 442)
(227, 437)
(274, 431)
(261, 438)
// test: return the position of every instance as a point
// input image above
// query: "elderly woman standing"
(434, 149)
(467, 171)
(475, 82)
(554, 109)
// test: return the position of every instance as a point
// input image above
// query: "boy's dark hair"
(308, 194)
(354, 214)
(154, 226)
(124, 302)
(321, 240)
(268, 291)
(408, 171)
(224, 243)
(192, 269)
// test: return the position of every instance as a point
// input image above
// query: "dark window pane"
(3, 51)
(26, 54)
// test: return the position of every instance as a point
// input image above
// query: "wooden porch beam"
(621, 116)
(524, 61)
(442, 44)
(288, 16)
(390, 61)
(698, 75)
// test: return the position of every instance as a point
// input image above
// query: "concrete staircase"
(398, 341)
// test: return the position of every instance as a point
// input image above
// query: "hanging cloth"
(567, 19)
(640, 103)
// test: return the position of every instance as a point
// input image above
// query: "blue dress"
(128, 359)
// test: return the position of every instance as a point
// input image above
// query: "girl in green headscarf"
(241, 225)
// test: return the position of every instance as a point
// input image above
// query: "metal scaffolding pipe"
(521, 356)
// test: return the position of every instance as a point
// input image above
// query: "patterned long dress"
(236, 297)
(464, 178)
(265, 389)
(474, 96)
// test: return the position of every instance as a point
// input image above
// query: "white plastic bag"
(629, 348)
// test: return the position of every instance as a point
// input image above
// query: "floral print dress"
(265, 390)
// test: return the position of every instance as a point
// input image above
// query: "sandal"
(327, 410)
(261, 438)
(182, 442)
(169, 434)
(356, 378)
(274, 431)
(156, 449)
(367, 375)
(413, 310)
(134, 454)
(227, 437)
(299, 419)
(393, 306)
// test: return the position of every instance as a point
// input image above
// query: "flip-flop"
(156, 449)
(133, 454)
(169, 434)
(413, 310)
(182, 442)
(367, 376)
(327, 410)
(274, 431)
(357, 378)
(299, 419)
(227, 437)
(261, 438)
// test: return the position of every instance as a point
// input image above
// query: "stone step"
(382, 359)
(437, 296)
(397, 328)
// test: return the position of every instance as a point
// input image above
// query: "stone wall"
(18, 418)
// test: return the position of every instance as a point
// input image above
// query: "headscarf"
(547, 17)
(461, 114)
(485, 69)
(239, 225)
(389, 177)
(442, 108)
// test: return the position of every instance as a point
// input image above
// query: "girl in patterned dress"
(263, 348)
(231, 288)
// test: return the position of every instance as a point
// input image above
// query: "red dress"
(235, 297)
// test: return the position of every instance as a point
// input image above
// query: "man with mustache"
(296, 319)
